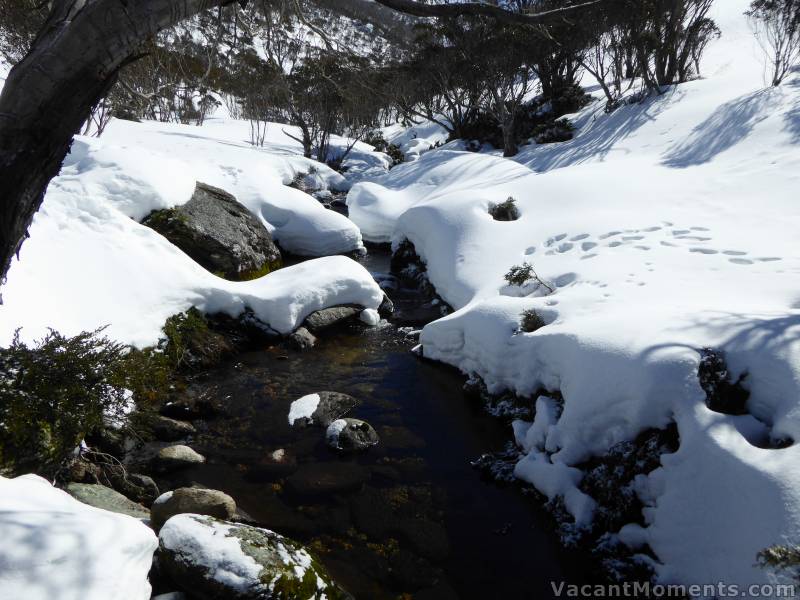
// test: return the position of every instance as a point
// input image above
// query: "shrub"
(505, 211)
(557, 131)
(54, 393)
(531, 321)
(781, 558)
(395, 153)
(375, 138)
(190, 343)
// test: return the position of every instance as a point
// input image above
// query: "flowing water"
(410, 516)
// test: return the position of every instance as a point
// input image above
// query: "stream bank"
(409, 517)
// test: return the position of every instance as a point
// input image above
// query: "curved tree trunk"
(47, 97)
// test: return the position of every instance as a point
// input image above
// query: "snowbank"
(89, 263)
(56, 547)
(664, 228)
(166, 156)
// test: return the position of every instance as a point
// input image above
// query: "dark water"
(410, 516)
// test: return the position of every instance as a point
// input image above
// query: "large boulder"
(350, 435)
(321, 408)
(103, 497)
(215, 559)
(191, 500)
(219, 233)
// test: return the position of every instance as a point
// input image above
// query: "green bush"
(781, 558)
(531, 321)
(505, 211)
(395, 153)
(520, 275)
(54, 393)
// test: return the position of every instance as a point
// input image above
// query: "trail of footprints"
(694, 239)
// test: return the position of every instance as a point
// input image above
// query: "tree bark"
(70, 67)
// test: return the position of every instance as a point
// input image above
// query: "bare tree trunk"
(70, 67)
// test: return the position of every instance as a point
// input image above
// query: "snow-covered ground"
(89, 262)
(56, 547)
(665, 227)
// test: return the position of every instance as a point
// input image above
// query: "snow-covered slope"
(665, 227)
(89, 262)
(56, 547)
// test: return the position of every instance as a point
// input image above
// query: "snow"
(333, 431)
(370, 317)
(56, 547)
(664, 227)
(303, 408)
(89, 262)
(205, 542)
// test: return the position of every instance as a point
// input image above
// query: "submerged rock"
(171, 430)
(219, 233)
(315, 479)
(350, 435)
(215, 559)
(103, 497)
(199, 501)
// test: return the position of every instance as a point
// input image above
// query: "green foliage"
(190, 342)
(395, 153)
(781, 558)
(531, 321)
(557, 131)
(505, 211)
(520, 275)
(55, 392)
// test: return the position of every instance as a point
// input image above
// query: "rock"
(386, 309)
(219, 233)
(104, 497)
(191, 500)
(139, 488)
(328, 317)
(166, 429)
(350, 435)
(177, 457)
(170, 596)
(302, 339)
(275, 465)
(316, 479)
(215, 559)
(321, 409)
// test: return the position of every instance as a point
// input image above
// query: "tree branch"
(418, 9)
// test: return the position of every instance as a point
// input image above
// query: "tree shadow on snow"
(792, 116)
(730, 124)
(598, 133)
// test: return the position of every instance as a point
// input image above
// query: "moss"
(266, 268)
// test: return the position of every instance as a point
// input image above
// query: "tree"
(75, 59)
(776, 24)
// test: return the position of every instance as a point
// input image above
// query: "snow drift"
(56, 547)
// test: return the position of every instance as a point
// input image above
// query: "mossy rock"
(214, 559)
(220, 234)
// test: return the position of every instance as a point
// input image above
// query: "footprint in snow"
(704, 250)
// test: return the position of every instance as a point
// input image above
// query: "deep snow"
(665, 227)
(89, 262)
(56, 547)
